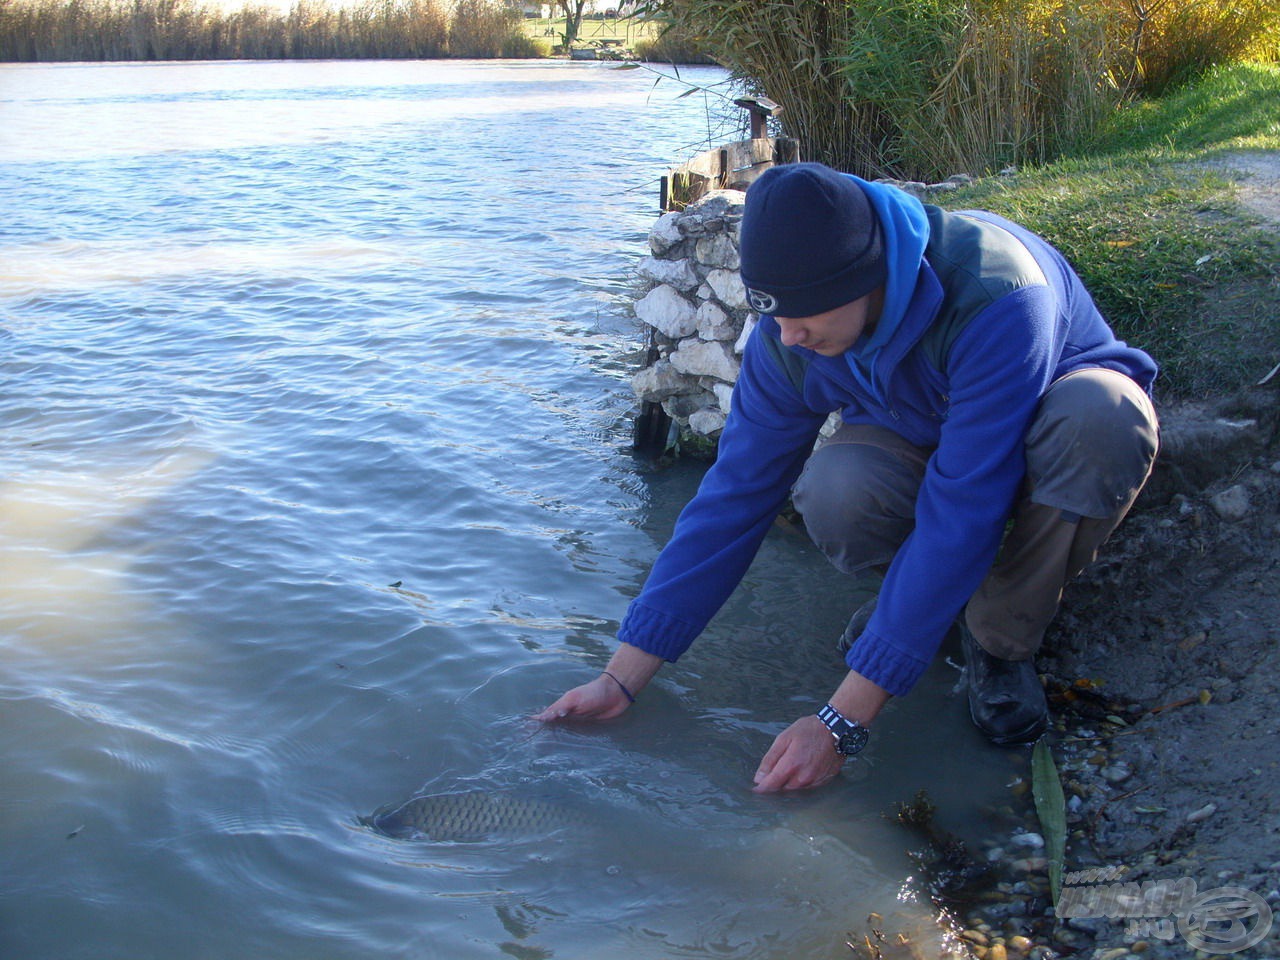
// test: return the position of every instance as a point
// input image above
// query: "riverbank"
(1163, 673)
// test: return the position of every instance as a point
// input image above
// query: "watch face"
(851, 742)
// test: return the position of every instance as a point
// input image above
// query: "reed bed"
(61, 30)
(920, 89)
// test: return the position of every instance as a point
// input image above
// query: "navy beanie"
(810, 241)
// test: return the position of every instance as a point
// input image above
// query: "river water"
(314, 484)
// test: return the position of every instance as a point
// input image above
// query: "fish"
(473, 815)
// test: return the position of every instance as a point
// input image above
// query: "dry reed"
(924, 88)
(61, 30)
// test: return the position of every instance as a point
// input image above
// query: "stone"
(666, 311)
(665, 234)
(706, 422)
(718, 251)
(660, 381)
(1116, 773)
(1195, 443)
(1204, 813)
(727, 287)
(705, 358)
(681, 408)
(714, 323)
(674, 273)
(747, 327)
(1032, 840)
(1232, 504)
(717, 205)
(724, 395)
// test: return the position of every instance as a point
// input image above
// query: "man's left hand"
(802, 756)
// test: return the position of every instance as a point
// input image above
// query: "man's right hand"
(604, 697)
(600, 699)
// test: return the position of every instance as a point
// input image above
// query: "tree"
(573, 10)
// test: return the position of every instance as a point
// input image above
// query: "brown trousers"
(1089, 450)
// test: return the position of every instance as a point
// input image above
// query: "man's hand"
(802, 756)
(600, 699)
(604, 697)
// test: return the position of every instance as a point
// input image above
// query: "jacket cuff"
(656, 632)
(885, 665)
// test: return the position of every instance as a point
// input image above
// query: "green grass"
(627, 29)
(1174, 261)
(1234, 107)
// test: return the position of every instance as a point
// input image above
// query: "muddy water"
(314, 484)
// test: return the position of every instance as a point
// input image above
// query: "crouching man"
(977, 384)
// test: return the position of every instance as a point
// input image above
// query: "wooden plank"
(735, 165)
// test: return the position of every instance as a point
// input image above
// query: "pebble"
(1116, 773)
(1020, 943)
(1204, 813)
(1033, 840)
(1115, 953)
(997, 952)
(1231, 504)
(1139, 946)
(975, 936)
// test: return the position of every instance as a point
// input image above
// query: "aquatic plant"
(1051, 808)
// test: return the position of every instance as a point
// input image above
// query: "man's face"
(833, 332)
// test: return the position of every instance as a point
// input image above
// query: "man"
(977, 384)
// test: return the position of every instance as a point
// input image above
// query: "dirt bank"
(1175, 632)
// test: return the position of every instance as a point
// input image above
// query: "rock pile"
(696, 308)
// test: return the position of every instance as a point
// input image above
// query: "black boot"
(857, 623)
(1006, 700)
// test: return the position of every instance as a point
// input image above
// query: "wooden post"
(761, 109)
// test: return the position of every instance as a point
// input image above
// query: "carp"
(473, 815)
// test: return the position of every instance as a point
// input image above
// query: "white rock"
(717, 205)
(1204, 813)
(659, 382)
(707, 421)
(666, 311)
(717, 250)
(1032, 840)
(706, 358)
(665, 234)
(1231, 504)
(714, 323)
(728, 289)
(724, 395)
(752, 320)
(675, 273)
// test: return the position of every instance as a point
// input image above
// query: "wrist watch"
(850, 735)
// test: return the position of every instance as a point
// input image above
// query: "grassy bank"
(1156, 229)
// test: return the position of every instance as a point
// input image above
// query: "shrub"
(925, 88)
(483, 28)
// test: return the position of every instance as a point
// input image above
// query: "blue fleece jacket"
(973, 408)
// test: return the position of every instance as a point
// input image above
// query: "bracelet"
(621, 684)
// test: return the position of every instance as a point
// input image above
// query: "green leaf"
(1051, 808)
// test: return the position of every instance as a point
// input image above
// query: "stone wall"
(695, 307)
